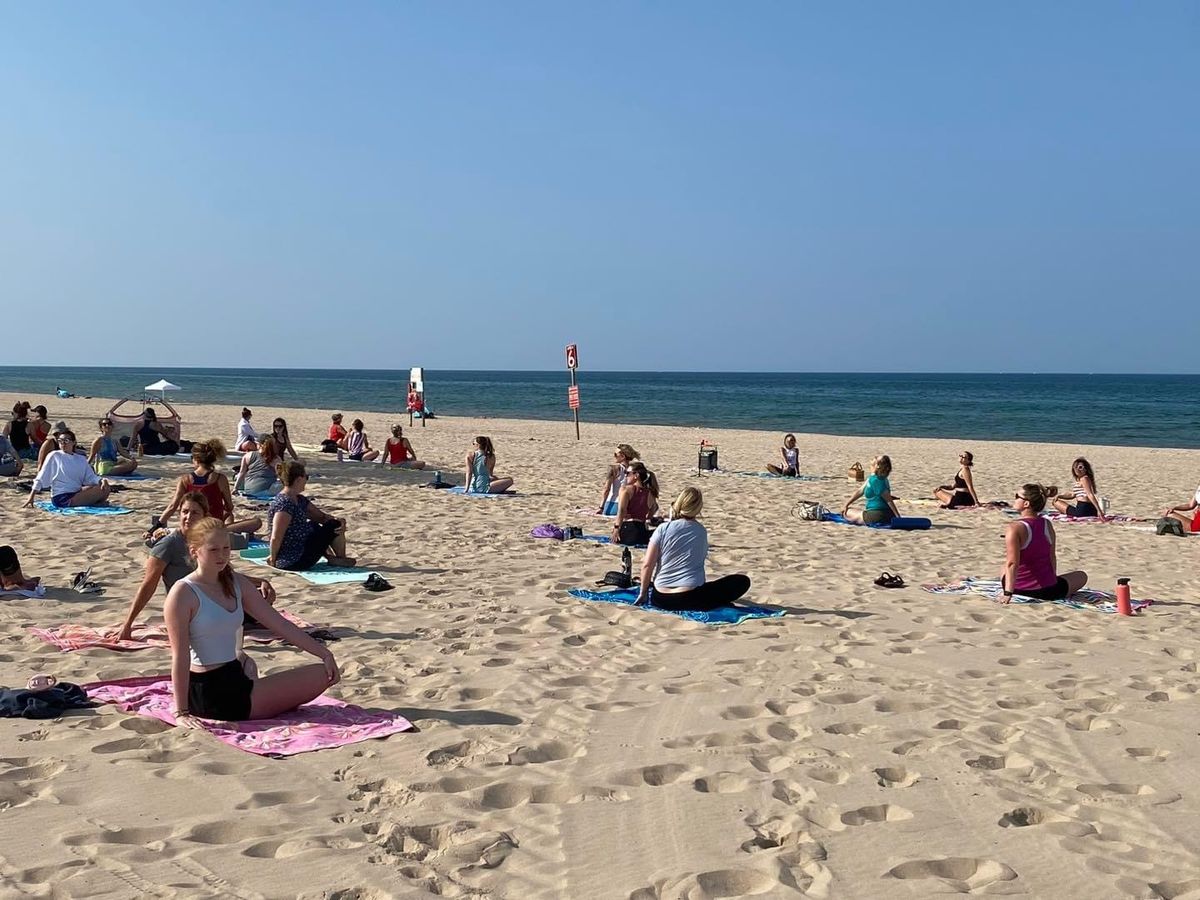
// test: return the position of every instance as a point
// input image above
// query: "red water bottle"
(1124, 607)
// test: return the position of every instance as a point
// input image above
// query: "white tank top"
(614, 492)
(215, 633)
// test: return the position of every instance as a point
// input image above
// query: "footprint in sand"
(1013, 762)
(895, 777)
(657, 776)
(1113, 790)
(868, 815)
(710, 885)
(1027, 816)
(964, 874)
(721, 783)
(550, 751)
(1148, 754)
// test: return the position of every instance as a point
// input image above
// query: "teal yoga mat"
(321, 573)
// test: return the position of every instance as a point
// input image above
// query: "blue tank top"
(108, 450)
(481, 481)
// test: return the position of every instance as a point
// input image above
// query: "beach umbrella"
(162, 386)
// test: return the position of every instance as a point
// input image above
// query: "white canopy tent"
(162, 386)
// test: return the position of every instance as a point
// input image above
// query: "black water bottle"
(627, 563)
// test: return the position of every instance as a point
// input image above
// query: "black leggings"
(710, 595)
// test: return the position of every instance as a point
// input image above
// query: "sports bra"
(215, 633)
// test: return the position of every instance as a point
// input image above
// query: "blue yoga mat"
(724, 615)
(261, 495)
(462, 492)
(900, 523)
(47, 506)
(134, 476)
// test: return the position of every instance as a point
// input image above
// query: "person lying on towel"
(673, 570)
(211, 675)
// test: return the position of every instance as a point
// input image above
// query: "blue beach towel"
(321, 573)
(462, 492)
(47, 506)
(724, 615)
(901, 523)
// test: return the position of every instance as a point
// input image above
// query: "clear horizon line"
(582, 371)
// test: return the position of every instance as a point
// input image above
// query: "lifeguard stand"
(416, 385)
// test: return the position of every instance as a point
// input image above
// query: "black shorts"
(633, 533)
(877, 516)
(1082, 510)
(1056, 591)
(960, 499)
(318, 542)
(222, 693)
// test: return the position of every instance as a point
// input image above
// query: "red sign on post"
(573, 396)
(572, 356)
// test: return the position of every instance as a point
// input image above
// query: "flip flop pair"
(82, 584)
(888, 580)
(376, 582)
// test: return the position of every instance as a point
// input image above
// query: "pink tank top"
(1036, 568)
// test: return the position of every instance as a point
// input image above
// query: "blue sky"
(780, 186)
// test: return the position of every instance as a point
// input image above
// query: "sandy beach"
(870, 743)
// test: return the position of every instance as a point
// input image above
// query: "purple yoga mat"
(318, 725)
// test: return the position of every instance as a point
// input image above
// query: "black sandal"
(376, 582)
(888, 580)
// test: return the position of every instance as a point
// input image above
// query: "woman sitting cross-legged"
(673, 570)
(71, 480)
(257, 472)
(880, 505)
(398, 451)
(636, 504)
(614, 480)
(789, 457)
(962, 492)
(108, 457)
(1031, 566)
(301, 532)
(481, 469)
(1188, 514)
(1083, 502)
(247, 437)
(210, 673)
(358, 448)
(169, 561)
(214, 485)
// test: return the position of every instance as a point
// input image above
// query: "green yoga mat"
(321, 573)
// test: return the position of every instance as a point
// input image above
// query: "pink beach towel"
(144, 637)
(319, 725)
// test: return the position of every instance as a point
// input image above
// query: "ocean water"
(1141, 410)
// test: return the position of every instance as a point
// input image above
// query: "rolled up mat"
(910, 523)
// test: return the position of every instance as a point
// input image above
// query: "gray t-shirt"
(173, 550)
(682, 548)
